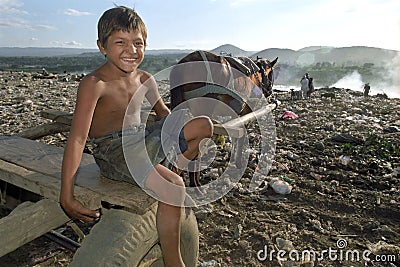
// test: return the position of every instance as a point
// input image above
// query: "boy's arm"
(153, 96)
(86, 101)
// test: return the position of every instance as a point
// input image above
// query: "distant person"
(304, 86)
(45, 72)
(310, 86)
(367, 88)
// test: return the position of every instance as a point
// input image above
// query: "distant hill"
(342, 55)
(285, 55)
(159, 52)
(356, 55)
(42, 51)
(231, 49)
(313, 48)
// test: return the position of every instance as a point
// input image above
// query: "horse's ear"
(274, 62)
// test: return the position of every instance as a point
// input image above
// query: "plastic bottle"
(280, 186)
(344, 159)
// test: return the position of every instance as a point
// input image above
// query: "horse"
(232, 81)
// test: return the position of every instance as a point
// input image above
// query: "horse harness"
(245, 65)
(211, 87)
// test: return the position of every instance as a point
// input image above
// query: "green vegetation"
(380, 147)
(348, 149)
(80, 64)
(55, 64)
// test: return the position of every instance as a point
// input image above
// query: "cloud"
(11, 7)
(67, 43)
(237, 3)
(15, 23)
(77, 13)
(19, 23)
(72, 43)
(43, 27)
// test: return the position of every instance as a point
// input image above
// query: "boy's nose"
(131, 48)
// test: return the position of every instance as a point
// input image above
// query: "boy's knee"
(175, 179)
(207, 127)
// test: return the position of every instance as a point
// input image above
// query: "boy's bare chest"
(124, 93)
(117, 99)
(112, 106)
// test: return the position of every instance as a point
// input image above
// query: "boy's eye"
(138, 44)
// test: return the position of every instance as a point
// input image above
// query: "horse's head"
(266, 75)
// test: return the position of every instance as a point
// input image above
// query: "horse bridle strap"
(207, 64)
(250, 64)
(231, 83)
(264, 78)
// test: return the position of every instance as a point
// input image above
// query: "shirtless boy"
(102, 100)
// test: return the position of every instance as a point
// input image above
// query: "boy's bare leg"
(159, 181)
(168, 226)
(195, 131)
(168, 216)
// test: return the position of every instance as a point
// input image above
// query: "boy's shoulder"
(147, 79)
(144, 75)
(98, 75)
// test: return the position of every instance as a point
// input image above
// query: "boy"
(102, 100)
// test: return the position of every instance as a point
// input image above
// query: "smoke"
(387, 82)
(352, 81)
(393, 77)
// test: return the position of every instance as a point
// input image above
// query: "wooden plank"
(36, 167)
(57, 116)
(40, 184)
(29, 221)
(44, 130)
(52, 114)
(46, 186)
(90, 194)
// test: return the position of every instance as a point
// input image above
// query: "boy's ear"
(101, 48)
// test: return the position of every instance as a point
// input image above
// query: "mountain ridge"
(305, 56)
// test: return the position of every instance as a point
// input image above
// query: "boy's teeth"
(130, 59)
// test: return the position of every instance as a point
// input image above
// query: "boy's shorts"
(131, 154)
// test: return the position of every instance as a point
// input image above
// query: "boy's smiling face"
(125, 50)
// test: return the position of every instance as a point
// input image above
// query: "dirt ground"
(338, 208)
(340, 155)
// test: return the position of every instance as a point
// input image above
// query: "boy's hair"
(119, 18)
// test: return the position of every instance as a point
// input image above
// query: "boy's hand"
(76, 210)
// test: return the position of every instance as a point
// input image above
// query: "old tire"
(122, 238)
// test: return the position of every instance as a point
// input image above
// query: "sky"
(252, 25)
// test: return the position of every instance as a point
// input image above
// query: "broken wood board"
(36, 167)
